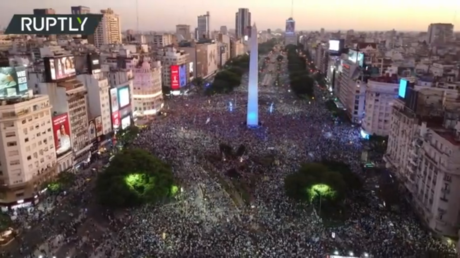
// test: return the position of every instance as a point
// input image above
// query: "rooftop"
(449, 136)
(385, 79)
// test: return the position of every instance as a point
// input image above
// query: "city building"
(379, 94)
(424, 153)
(203, 28)
(223, 30)
(28, 155)
(109, 29)
(121, 98)
(44, 11)
(162, 40)
(172, 60)
(183, 31)
(147, 88)
(207, 59)
(290, 37)
(242, 21)
(80, 10)
(351, 89)
(440, 33)
(237, 48)
(99, 112)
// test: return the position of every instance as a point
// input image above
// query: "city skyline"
(331, 15)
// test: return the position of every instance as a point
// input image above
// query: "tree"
(127, 135)
(198, 82)
(228, 76)
(134, 177)
(301, 82)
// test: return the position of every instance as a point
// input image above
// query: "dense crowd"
(209, 220)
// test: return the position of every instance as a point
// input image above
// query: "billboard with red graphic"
(175, 85)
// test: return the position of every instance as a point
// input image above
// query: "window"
(13, 153)
(29, 157)
(10, 134)
(10, 144)
(26, 139)
(14, 162)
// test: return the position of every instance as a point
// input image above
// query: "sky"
(154, 15)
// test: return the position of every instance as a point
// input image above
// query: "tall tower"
(253, 87)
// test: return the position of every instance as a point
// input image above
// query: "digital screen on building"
(125, 122)
(123, 97)
(13, 81)
(61, 130)
(116, 119)
(356, 57)
(190, 67)
(175, 85)
(99, 126)
(183, 75)
(334, 45)
(402, 88)
(290, 27)
(60, 67)
(114, 99)
(92, 130)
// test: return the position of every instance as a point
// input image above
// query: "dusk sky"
(309, 15)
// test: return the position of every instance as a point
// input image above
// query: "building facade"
(109, 29)
(203, 28)
(379, 95)
(242, 21)
(183, 31)
(147, 88)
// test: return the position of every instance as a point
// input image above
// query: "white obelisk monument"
(253, 87)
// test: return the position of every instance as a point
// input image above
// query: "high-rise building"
(27, 156)
(223, 30)
(203, 29)
(147, 90)
(440, 33)
(172, 60)
(109, 29)
(242, 21)
(183, 32)
(80, 10)
(207, 59)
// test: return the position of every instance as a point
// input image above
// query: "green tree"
(228, 76)
(134, 177)
(198, 82)
(127, 135)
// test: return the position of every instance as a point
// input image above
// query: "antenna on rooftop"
(137, 16)
(292, 9)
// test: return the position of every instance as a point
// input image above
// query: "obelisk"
(253, 82)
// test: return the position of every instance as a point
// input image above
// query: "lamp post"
(319, 193)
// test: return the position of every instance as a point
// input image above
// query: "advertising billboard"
(290, 27)
(13, 81)
(123, 97)
(402, 88)
(190, 67)
(182, 75)
(61, 67)
(116, 119)
(114, 99)
(98, 124)
(92, 130)
(61, 130)
(175, 77)
(334, 45)
(125, 122)
(356, 57)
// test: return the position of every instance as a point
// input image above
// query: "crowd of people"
(209, 219)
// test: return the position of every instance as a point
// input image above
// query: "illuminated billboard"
(183, 75)
(402, 88)
(99, 126)
(114, 99)
(61, 130)
(290, 27)
(92, 130)
(334, 45)
(356, 57)
(123, 97)
(116, 119)
(13, 81)
(175, 77)
(190, 67)
(59, 67)
(125, 122)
